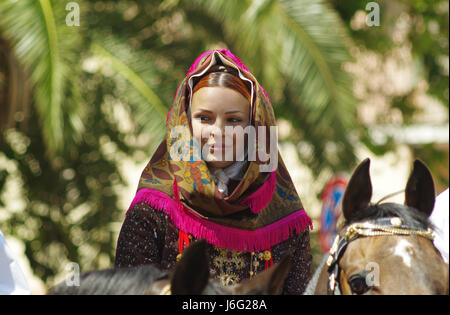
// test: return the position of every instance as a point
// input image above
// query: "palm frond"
(134, 79)
(40, 37)
(141, 92)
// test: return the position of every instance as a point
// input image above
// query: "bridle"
(377, 227)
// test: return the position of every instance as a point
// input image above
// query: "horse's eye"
(358, 284)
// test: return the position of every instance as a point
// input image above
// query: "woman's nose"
(219, 127)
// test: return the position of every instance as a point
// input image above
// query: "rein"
(382, 226)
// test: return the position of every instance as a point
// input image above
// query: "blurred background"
(85, 87)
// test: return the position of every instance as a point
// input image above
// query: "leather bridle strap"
(336, 251)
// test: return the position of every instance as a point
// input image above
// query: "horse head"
(385, 248)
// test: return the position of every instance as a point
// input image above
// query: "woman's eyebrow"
(208, 111)
(203, 110)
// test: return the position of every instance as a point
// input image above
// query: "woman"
(242, 203)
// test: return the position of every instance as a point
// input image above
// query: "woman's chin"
(219, 164)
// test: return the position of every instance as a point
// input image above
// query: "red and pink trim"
(261, 198)
(224, 236)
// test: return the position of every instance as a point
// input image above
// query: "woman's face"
(212, 109)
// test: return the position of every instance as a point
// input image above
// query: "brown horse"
(385, 248)
(189, 277)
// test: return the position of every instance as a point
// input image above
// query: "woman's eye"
(203, 118)
(358, 285)
(234, 120)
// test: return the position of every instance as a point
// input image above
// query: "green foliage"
(47, 51)
(70, 209)
(427, 25)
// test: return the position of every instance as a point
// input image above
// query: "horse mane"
(119, 281)
(410, 217)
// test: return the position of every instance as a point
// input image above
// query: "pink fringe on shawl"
(219, 235)
(260, 198)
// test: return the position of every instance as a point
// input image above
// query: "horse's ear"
(268, 282)
(191, 273)
(419, 192)
(359, 190)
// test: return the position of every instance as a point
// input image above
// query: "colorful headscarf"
(263, 210)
